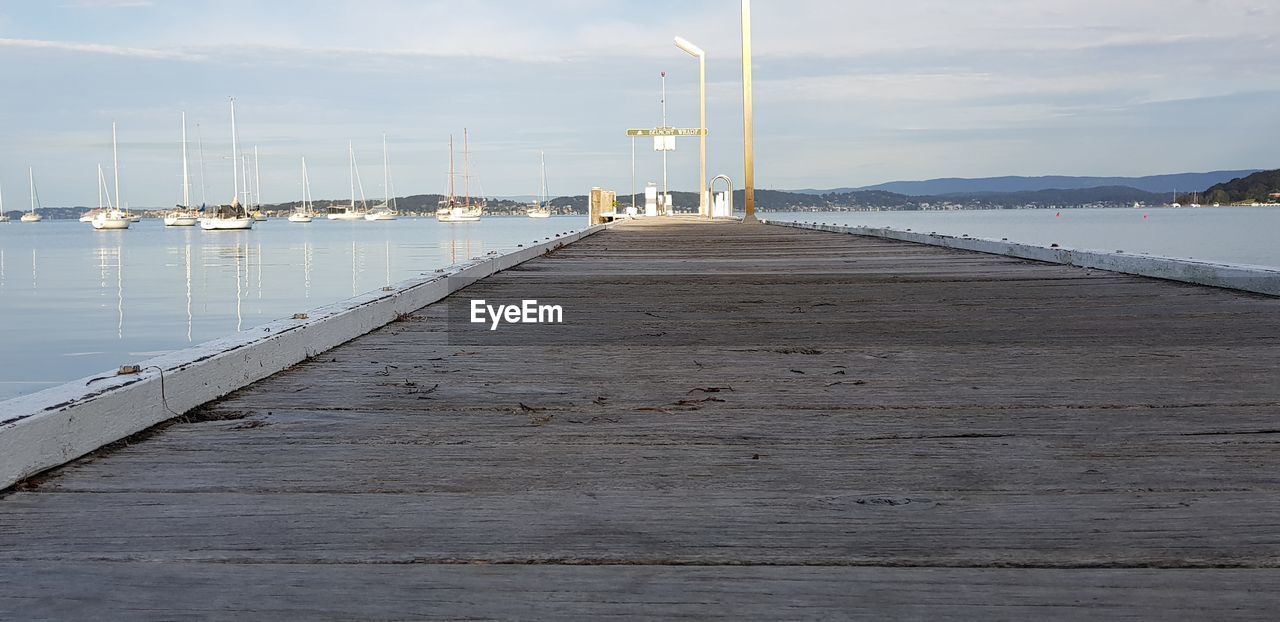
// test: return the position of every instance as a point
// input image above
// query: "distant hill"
(1256, 187)
(1055, 196)
(954, 185)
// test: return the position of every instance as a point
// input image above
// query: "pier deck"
(733, 421)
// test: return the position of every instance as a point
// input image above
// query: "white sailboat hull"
(539, 214)
(346, 216)
(453, 218)
(300, 218)
(226, 224)
(380, 216)
(180, 220)
(29, 217)
(110, 224)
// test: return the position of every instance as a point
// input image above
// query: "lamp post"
(697, 52)
(748, 126)
(664, 205)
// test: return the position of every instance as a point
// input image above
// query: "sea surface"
(76, 302)
(1236, 235)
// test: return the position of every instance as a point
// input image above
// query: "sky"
(847, 92)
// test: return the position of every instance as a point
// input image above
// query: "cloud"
(108, 4)
(97, 48)
(259, 52)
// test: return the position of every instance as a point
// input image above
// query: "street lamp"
(697, 52)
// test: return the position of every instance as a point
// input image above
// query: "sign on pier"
(668, 131)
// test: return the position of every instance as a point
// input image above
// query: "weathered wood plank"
(734, 525)
(167, 591)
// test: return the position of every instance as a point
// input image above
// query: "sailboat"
(305, 212)
(350, 212)
(32, 216)
(106, 216)
(4, 217)
(230, 217)
(387, 210)
(541, 209)
(109, 218)
(450, 209)
(184, 216)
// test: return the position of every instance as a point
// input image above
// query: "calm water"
(75, 302)
(1243, 235)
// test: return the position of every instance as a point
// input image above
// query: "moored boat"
(305, 212)
(542, 208)
(33, 215)
(231, 217)
(452, 209)
(351, 212)
(110, 217)
(387, 210)
(183, 215)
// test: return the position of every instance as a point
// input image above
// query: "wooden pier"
(733, 421)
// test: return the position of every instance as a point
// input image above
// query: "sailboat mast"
(115, 160)
(186, 178)
(248, 185)
(386, 175)
(235, 154)
(451, 173)
(542, 156)
(306, 188)
(99, 186)
(257, 179)
(200, 140)
(466, 168)
(31, 186)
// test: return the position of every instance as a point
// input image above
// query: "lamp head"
(690, 48)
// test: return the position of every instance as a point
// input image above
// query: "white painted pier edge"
(1257, 279)
(55, 426)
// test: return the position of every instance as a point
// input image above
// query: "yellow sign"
(668, 131)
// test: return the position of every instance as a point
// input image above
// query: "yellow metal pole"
(704, 206)
(748, 127)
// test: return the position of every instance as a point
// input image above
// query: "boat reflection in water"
(166, 288)
(459, 249)
(307, 259)
(111, 273)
